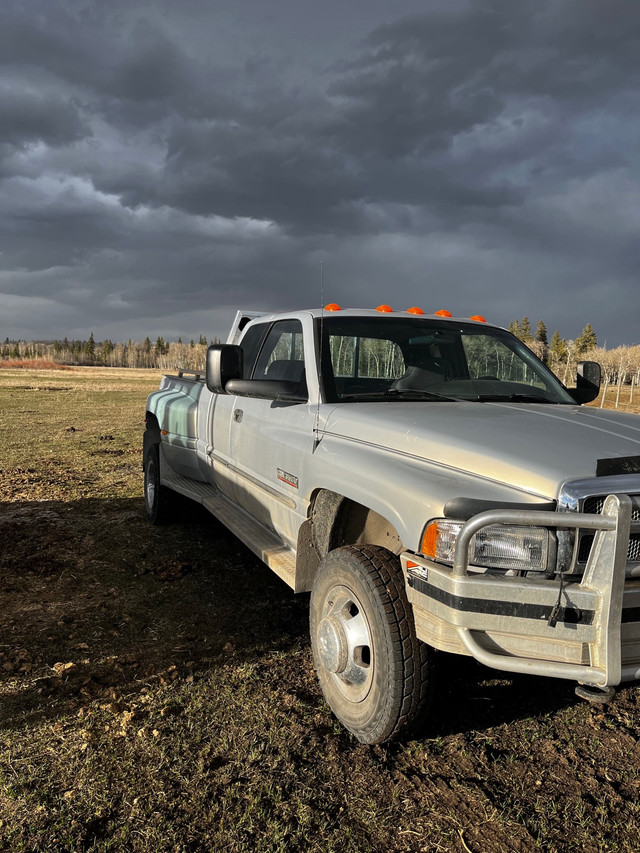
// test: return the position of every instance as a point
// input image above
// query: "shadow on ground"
(98, 603)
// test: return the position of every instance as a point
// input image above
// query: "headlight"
(500, 546)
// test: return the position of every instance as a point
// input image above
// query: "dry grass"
(31, 364)
(628, 399)
(157, 690)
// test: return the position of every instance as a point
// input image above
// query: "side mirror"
(270, 389)
(587, 382)
(224, 362)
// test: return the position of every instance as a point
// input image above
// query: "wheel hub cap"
(332, 645)
(343, 643)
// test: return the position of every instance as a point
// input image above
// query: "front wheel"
(374, 673)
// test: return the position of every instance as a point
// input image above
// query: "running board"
(264, 543)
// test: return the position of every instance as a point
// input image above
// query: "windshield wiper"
(513, 398)
(399, 394)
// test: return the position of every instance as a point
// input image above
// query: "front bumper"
(585, 629)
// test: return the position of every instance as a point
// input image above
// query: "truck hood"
(534, 448)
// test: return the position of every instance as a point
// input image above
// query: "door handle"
(237, 415)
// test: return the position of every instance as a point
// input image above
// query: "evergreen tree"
(90, 348)
(107, 348)
(558, 348)
(541, 333)
(541, 338)
(525, 330)
(161, 347)
(514, 328)
(586, 340)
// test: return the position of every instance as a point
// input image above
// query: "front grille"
(594, 505)
(586, 541)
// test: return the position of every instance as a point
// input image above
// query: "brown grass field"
(157, 690)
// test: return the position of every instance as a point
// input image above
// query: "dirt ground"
(157, 690)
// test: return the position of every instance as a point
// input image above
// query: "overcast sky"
(164, 162)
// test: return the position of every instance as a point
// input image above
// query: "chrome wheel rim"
(344, 643)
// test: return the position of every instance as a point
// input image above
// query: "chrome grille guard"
(475, 605)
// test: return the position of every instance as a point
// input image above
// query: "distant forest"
(162, 354)
(620, 366)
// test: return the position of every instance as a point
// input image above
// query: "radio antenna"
(320, 354)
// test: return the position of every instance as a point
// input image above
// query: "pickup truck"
(433, 486)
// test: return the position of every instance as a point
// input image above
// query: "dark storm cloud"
(160, 157)
(27, 117)
(426, 85)
(153, 69)
(385, 132)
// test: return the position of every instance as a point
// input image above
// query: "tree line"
(558, 353)
(165, 355)
(620, 365)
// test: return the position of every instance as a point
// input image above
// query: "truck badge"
(289, 479)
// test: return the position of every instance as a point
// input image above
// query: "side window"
(281, 356)
(250, 344)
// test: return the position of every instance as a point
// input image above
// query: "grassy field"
(157, 690)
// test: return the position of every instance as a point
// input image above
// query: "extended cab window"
(251, 343)
(282, 354)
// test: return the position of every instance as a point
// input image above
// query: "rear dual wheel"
(374, 673)
(159, 501)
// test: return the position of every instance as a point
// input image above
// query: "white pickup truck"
(430, 482)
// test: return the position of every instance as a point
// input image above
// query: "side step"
(264, 543)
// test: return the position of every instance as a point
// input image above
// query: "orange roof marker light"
(443, 313)
(415, 310)
(332, 307)
(385, 309)
(478, 317)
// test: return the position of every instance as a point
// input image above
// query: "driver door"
(270, 441)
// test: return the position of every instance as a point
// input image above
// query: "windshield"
(401, 358)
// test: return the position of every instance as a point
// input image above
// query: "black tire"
(159, 501)
(375, 674)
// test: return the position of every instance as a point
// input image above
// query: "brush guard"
(477, 606)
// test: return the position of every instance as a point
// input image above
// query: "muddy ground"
(157, 691)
